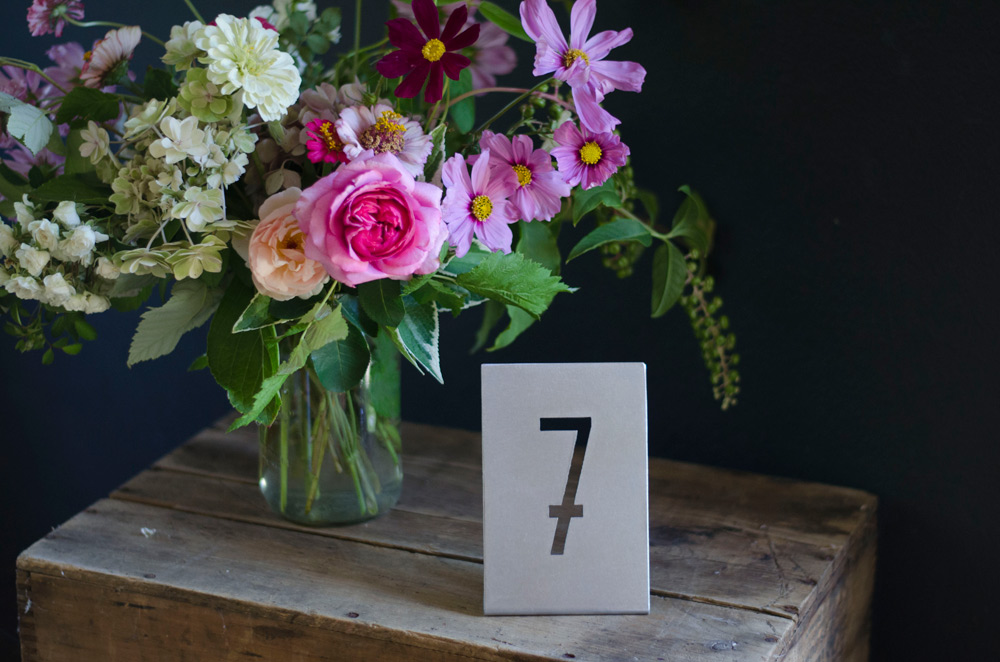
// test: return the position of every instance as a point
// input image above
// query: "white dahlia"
(241, 54)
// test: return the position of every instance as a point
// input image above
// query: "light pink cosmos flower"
(69, 61)
(381, 130)
(110, 57)
(45, 16)
(540, 188)
(370, 219)
(478, 206)
(588, 158)
(581, 62)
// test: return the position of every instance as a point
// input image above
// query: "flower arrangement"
(321, 212)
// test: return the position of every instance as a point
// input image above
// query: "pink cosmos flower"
(478, 206)
(379, 129)
(370, 219)
(276, 252)
(540, 188)
(581, 61)
(69, 61)
(45, 16)
(588, 158)
(323, 144)
(108, 62)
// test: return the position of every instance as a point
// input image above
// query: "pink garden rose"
(370, 219)
(276, 252)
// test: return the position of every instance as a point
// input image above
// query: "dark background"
(847, 151)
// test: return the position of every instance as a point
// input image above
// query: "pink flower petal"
(495, 233)
(612, 75)
(481, 173)
(540, 23)
(598, 46)
(581, 20)
(592, 116)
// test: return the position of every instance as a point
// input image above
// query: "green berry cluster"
(712, 331)
(621, 256)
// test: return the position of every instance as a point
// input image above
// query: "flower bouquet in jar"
(321, 211)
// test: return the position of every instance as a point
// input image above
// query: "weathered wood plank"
(210, 588)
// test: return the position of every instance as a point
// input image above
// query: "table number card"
(565, 489)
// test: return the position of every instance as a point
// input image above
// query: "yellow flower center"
(327, 135)
(482, 207)
(523, 174)
(433, 50)
(386, 135)
(388, 121)
(570, 57)
(590, 153)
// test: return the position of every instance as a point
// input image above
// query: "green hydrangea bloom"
(203, 99)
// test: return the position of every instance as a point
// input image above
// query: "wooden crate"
(185, 562)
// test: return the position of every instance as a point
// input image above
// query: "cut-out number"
(568, 509)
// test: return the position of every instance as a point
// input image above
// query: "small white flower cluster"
(279, 13)
(55, 261)
(239, 55)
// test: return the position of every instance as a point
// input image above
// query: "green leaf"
(381, 300)
(463, 113)
(503, 20)
(329, 326)
(539, 244)
(158, 84)
(129, 285)
(257, 315)
(692, 222)
(75, 163)
(436, 158)
(78, 188)
(651, 202)
(519, 323)
(31, 126)
(12, 185)
(48, 357)
(199, 363)
(511, 279)
(587, 201)
(84, 329)
(190, 305)
(384, 390)
(492, 312)
(73, 349)
(291, 309)
(418, 335)
(341, 365)
(623, 229)
(669, 275)
(235, 359)
(87, 104)
(460, 265)
(8, 102)
(318, 44)
(126, 304)
(356, 316)
(445, 295)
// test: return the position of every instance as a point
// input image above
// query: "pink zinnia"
(324, 144)
(478, 206)
(45, 16)
(581, 61)
(540, 188)
(108, 62)
(588, 158)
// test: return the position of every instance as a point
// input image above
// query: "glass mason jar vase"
(334, 458)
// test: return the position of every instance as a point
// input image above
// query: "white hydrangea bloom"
(106, 269)
(8, 244)
(334, 35)
(57, 290)
(96, 142)
(241, 54)
(45, 233)
(96, 303)
(149, 115)
(77, 303)
(80, 244)
(181, 139)
(230, 173)
(4, 276)
(25, 211)
(31, 259)
(200, 207)
(181, 48)
(66, 214)
(24, 287)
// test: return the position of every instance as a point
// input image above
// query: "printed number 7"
(568, 509)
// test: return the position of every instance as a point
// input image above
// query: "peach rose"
(276, 252)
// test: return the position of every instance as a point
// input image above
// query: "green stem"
(21, 64)
(109, 24)
(284, 457)
(659, 235)
(194, 11)
(485, 125)
(357, 34)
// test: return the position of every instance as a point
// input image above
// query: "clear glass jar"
(334, 458)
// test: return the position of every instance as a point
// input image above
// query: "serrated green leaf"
(380, 299)
(191, 304)
(235, 359)
(257, 315)
(31, 126)
(512, 279)
(587, 201)
(460, 265)
(436, 158)
(269, 389)
(419, 334)
(8, 102)
(539, 244)
(669, 276)
(341, 365)
(519, 323)
(622, 229)
(78, 188)
(87, 104)
(445, 295)
(463, 113)
(503, 20)
(129, 285)
(384, 387)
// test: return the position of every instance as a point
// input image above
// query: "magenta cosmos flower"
(581, 62)
(587, 158)
(109, 60)
(370, 219)
(45, 16)
(478, 206)
(429, 55)
(540, 188)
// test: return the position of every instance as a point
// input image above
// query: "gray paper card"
(565, 489)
